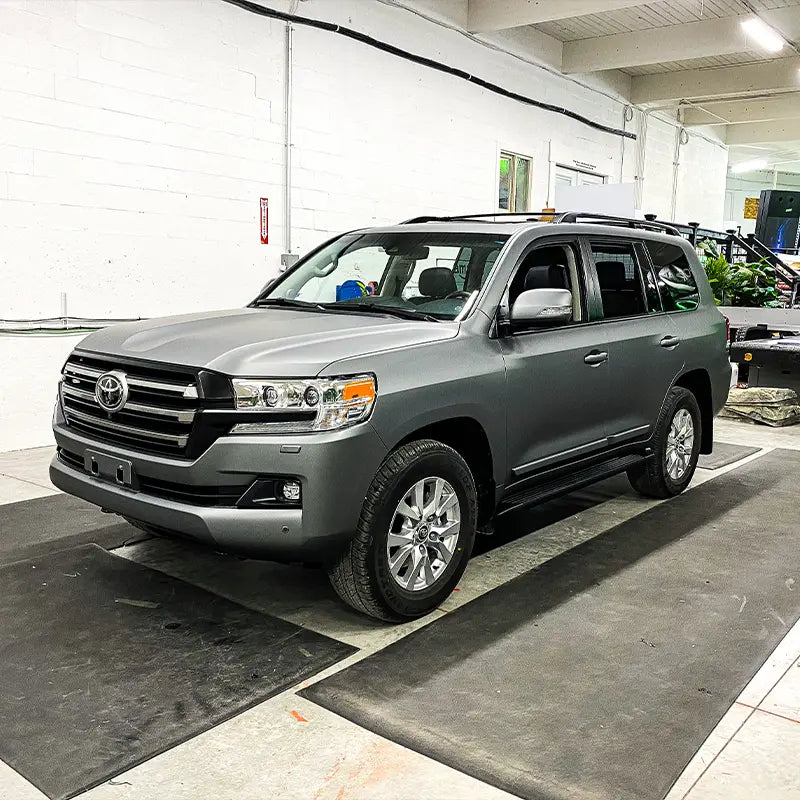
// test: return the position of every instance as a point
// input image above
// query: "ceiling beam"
(712, 37)
(495, 15)
(763, 133)
(764, 109)
(782, 75)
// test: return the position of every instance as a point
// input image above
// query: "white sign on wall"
(613, 199)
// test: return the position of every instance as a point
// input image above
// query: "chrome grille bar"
(185, 416)
(188, 390)
(127, 430)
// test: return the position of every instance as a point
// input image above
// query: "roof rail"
(556, 217)
(628, 222)
(526, 216)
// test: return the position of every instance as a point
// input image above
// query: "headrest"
(550, 276)
(437, 282)
(612, 275)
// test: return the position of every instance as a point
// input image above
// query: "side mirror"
(542, 307)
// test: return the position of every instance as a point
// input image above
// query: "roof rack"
(555, 217)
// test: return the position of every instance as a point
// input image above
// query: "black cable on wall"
(331, 27)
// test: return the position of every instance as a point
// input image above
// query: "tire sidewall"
(682, 399)
(445, 464)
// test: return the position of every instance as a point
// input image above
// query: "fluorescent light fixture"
(762, 35)
(750, 166)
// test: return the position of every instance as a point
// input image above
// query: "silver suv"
(380, 403)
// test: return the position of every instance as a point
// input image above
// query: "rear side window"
(622, 287)
(676, 282)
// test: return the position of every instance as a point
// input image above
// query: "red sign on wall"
(264, 220)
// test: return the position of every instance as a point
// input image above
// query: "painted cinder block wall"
(137, 137)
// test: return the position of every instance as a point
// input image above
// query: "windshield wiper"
(289, 303)
(393, 311)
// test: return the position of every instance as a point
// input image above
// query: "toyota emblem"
(111, 391)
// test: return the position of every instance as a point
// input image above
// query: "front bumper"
(335, 470)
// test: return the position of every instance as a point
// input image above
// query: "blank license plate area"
(109, 468)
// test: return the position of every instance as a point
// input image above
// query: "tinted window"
(676, 282)
(620, 279)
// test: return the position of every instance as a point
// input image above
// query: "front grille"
(158, 416)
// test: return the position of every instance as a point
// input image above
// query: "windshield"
(431, 274)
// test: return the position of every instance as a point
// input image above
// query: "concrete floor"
(290, 748)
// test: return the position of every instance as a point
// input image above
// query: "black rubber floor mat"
(600, 673)
(32, 528)
(725, 454)
(104, 663)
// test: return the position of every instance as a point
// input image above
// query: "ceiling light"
(762, 35)
(750, 166)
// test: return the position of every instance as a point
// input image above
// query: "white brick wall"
(137, 136)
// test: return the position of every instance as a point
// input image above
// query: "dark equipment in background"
(778, 222)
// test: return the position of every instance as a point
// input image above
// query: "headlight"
(316, 404)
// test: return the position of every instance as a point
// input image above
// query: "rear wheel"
(676, 445)
(414, 537)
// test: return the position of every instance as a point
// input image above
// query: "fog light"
(291, 491)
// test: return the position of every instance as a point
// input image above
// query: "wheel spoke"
(451, 529)
(443, 550)
(447, 503)
(419, 498)
(417, 561)
(400, 559)
(433, 505)
(408, 512)
(401, 539)
(427, 570)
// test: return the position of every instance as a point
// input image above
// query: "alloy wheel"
(423, 534)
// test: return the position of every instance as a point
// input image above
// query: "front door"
(557, 376)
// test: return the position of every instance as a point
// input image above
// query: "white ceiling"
(687, 56)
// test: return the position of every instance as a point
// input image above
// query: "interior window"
(552, 267)
(619, 276)
(676, 282)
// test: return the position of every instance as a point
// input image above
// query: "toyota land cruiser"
(398, 388)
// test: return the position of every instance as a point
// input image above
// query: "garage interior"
(162, 157)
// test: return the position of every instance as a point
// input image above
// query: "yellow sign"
(751, 207)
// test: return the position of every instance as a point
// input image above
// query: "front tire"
(677, 448)
(414, 536)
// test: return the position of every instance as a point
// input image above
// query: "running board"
(567, 483)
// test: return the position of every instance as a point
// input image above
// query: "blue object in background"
(350, 290)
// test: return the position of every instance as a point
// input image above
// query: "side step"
(567, 483)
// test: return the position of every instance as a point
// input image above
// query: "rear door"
(643, 342)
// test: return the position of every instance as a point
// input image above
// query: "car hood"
(273, 342)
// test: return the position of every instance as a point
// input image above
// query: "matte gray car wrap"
(520, 390)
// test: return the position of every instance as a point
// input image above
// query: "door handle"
(670, 341)
(595, 358)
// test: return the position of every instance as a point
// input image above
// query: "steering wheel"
(453, 295)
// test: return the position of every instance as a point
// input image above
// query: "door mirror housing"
(542, 307)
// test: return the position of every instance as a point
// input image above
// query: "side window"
(551, 267)
(676, 282)
(620, 279)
